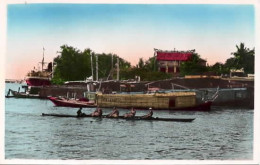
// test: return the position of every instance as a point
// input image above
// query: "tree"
(151, 64)
(145, 74)
(217, 68)
(105, 67)
(244, 58)
(141, 63)
(70, 64)
(192, 67)
(74, 65)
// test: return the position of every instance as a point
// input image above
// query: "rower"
(131, 114)
(97, 112)
(149, 115)
(114, 113)
(79, 113)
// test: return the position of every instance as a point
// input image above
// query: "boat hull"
(16, 94)
(206, 106)
(122, 117)
(70, 103)
(37, 81)
(159, 101)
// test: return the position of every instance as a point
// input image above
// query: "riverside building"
(170, 61)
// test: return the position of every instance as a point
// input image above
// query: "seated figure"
(114, 113)
(97, 113)
(79, 113)
(131, 114)
(149, 115)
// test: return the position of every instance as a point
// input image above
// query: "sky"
(131, 31)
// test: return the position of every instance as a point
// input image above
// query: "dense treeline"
(74, 65)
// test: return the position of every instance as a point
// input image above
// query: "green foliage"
(145, 74)
(140, 63)
(217, 68)
(57, 81)
(74, 65)
(105, 67)
(192, 67)
(244, 58)
(151, 64)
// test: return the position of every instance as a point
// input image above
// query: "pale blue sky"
(128, 30)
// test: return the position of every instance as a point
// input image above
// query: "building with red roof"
(170, 61)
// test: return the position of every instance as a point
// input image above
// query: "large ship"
(40, 77)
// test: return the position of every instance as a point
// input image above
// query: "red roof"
(171, 56)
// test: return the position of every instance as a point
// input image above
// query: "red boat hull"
(71, 103)
(37, 81)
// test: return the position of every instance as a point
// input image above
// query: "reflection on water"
(221, 134)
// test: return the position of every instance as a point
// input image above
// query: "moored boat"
(156, 101)
(74, 103)
(21, 94)
(37, 81)
(122, 117)
(40, 77)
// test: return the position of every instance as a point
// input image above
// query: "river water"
(221, 134)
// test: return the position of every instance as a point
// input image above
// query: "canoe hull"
(122, 117)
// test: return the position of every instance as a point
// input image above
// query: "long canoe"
(122, 117)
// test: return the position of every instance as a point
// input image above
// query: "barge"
(156, 101)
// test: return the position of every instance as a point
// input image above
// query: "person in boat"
(97, 113)
(131, 114)
(114, 113)
(79, 113)
(149, 115)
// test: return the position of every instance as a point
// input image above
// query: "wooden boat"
(122, 117)
(16, 94)
(63, 102)
(157, 101)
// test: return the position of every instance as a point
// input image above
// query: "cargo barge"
(158, 101)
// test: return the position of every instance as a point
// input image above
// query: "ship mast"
(43, 58)
(96, 67)
(91, 67)
(117, 76)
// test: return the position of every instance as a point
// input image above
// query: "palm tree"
(244, 58)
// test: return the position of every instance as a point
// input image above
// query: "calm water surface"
(221, 134)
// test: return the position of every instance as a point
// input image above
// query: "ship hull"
(37, 81)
